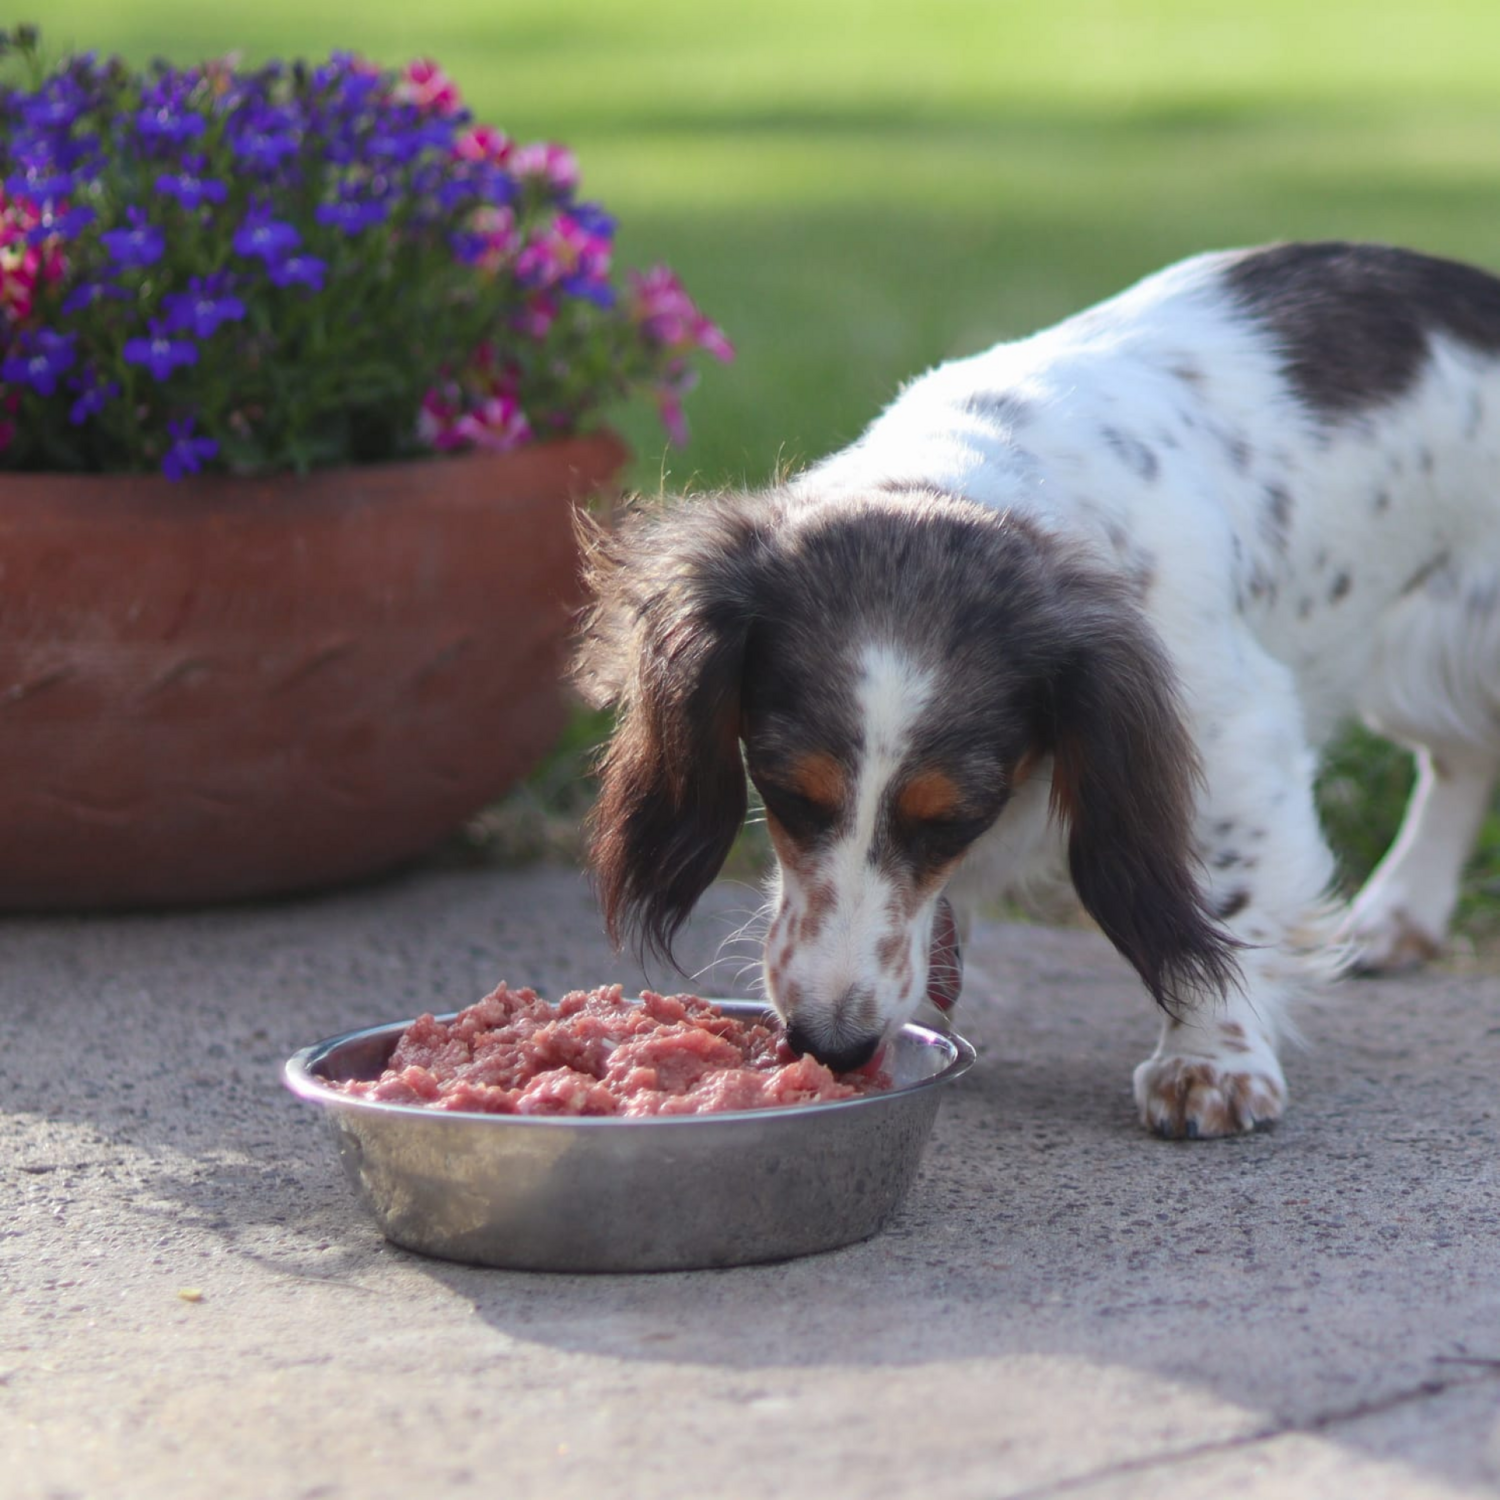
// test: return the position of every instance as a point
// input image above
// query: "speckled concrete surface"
(1064, 1305)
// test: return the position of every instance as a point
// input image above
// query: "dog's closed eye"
(940, 840)
(803, 817)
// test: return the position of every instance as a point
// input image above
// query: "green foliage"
(287, 266)
(858, 192)
(1362, 791)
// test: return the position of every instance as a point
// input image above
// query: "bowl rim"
(298, 1076)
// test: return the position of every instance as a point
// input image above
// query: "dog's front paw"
(1199, 1098)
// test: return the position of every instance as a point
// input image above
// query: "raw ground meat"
(596, 1053)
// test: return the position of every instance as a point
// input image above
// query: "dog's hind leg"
(1400, 918)
(1437, 691)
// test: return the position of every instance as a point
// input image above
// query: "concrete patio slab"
(192, 1304)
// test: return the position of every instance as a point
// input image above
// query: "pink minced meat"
(595, 1053)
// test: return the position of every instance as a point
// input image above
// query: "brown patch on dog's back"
(1354, 322)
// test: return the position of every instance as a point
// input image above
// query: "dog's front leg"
(1267, 872)
(1214, 1073)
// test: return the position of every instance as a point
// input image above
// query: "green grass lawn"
(857, 191)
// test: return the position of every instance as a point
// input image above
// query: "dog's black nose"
(840, 1057)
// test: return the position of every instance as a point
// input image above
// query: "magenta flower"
(669, 317)
(572, 254)
(491, 241)
(555, 165)
(429, 88)
(669, 410)
(437, 421)
(496, 423)
(537, 316)
(484, 143)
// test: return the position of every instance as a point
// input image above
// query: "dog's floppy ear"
(1124, 774)
(664, 643)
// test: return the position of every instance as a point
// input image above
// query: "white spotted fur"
(841, 960)
(1155, 427)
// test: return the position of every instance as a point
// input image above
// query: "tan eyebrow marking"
(818, 777)
(929, 794)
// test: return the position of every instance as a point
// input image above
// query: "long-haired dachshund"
(1100, 593)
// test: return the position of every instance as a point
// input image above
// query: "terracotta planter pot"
(226, 688)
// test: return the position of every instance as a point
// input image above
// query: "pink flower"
(669, 409)
(556, 164)
(676, 382)
(484, 143)
(564, 251)
(24, 267)
(496, 423)
(669, 317)
(480, 411)
(581, 249)
(437, 422)
(425, 84)
(496, 227)
(537, 316)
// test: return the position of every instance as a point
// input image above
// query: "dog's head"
(889, 669)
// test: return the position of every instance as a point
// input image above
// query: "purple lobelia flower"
(299, 270)
(42, 183)
(265, 238)
(160, 353)
(351, 214)
(263, 138)
(165, 117)
(167, 231)
(55, 106)
(43, 359)
(186, 454)
(142, 244)
(204, 308)
(87, 293)
(93, 396)
(60, 223)
(189, 188)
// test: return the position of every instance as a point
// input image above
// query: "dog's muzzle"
(945, 972)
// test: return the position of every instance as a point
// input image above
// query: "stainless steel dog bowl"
(605, 1194)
